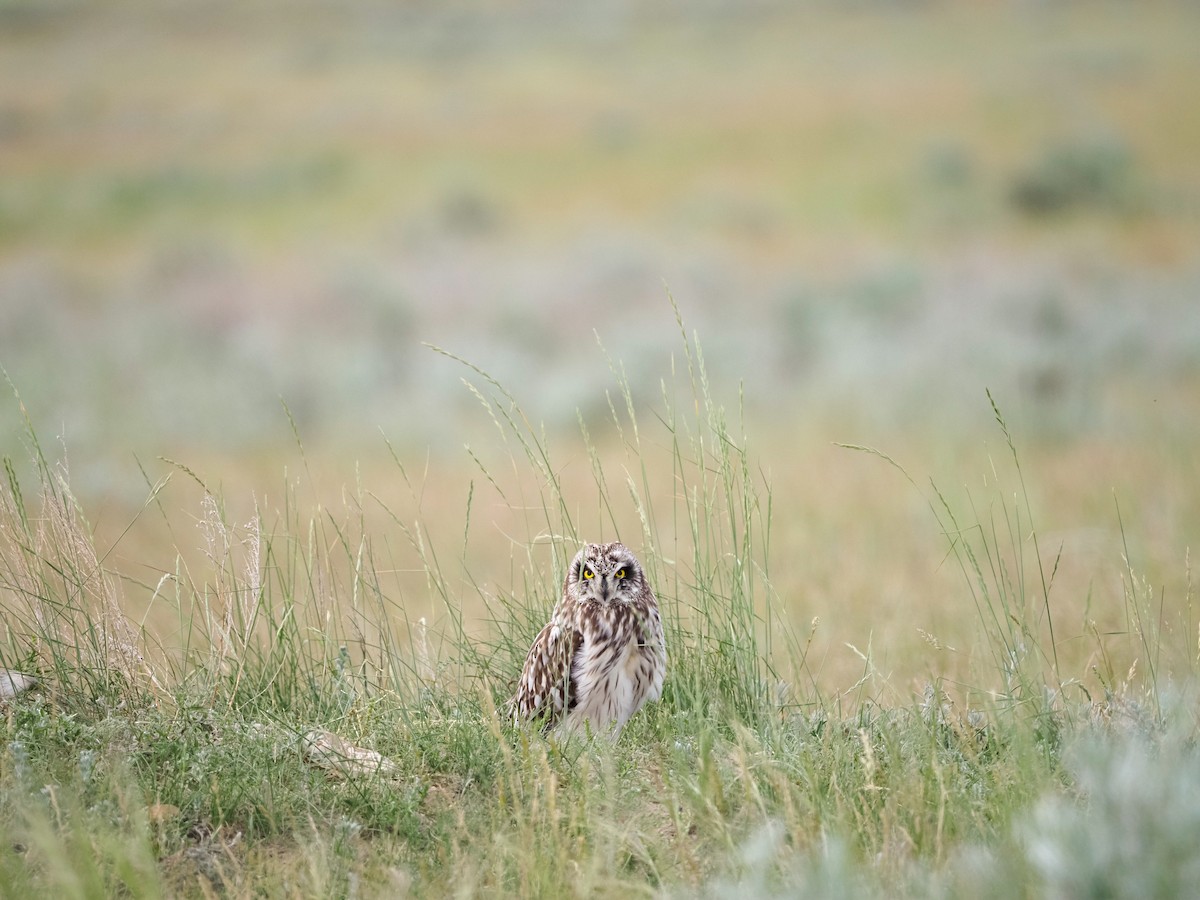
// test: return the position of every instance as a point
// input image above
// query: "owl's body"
(602, 655)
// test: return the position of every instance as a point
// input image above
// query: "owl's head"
(605, 573)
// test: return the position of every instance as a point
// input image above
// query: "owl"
(602, 655)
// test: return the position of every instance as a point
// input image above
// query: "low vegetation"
(295, 734)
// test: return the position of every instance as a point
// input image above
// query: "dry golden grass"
(811, 123)
(854, 546)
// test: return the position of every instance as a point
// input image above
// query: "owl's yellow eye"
(620, 573)
(588, 573)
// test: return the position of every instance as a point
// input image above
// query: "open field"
(872, 329)
(295, 738)
(901, 207)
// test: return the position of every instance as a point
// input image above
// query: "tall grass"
(1009, 577)
(230, 757)
(707, 555)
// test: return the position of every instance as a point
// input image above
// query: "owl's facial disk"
(606, 573)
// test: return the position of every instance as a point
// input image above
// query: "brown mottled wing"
(546, 691)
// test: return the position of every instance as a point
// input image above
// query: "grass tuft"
(185, 764)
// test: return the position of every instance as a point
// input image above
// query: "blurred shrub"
(948, 163)
(470, 212)
(1135, 831)
(1094, 172)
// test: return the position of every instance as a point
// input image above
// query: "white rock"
(338, 756)
(13, 683)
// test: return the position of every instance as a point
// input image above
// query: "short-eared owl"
(602, 654)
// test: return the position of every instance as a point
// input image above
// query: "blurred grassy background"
(869, 212)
